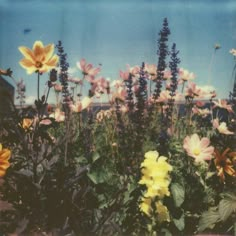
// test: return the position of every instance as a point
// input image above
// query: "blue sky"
(119, 32)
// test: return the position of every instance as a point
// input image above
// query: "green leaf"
(178, 192)
(95, 157)
(209, 219)
(97, 176)
(227, 206)
(180, 223)
(210, 174)
(81, 160)
(165, 232)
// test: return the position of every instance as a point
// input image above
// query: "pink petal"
(82, 62)
(204, 143)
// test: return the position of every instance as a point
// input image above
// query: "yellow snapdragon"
(155, 176)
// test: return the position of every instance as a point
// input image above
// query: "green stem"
(81, 87)
(47, 95)
(38, 84)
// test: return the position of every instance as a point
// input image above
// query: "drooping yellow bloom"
(145, 206)
(40, 59)
(155, 176)
(4, 157)
(162, 212)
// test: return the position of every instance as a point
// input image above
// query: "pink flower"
(100, 86)
(164, 96)
(58, 115)
(57, 88)
(200, 103)
(45, 122)
(221, 127)
(193, 90)
(124, 109)
(88, 69)
(198, 148)
(120, 94)
(167, 74)
(185, 75)
(223, 104)
(81, 105)
(201, 112)
(124, 75)
(75, 80)
(133, 70)
(117, 83)
(151, 69)
(168, 85)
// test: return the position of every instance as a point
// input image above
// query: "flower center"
(196, 151)
(38, 64)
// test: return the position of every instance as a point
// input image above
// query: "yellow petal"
(38, 50)
(31, 70)
(26, 63)
(44, 68)
(53, 61)
(4, 165)
(229, 170)
(2, 172)
(5, 155)
(48, 50)
(27, 53)
(0, 147)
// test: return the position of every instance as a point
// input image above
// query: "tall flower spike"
(39, 59)
(162, 52)
(63, 75)
(174, 78)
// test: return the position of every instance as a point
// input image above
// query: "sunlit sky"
(120, 32)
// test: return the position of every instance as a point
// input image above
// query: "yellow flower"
(162, 211)
(145, 206)
(158, 188)
(4, 157)
(155, 175)
(40, 59)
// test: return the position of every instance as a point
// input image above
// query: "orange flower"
(40, 59)
(224, 164)
(27, 122)
(4, 157)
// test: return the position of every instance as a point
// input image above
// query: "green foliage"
(180, 223)
(178, 193)
(227, 206)
(209, 219)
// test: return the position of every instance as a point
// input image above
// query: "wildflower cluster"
(75, 165)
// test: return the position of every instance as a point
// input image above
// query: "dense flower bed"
(159, 160)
